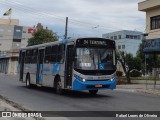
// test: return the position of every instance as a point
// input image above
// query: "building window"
(123, 46)
(155, 22)
(131, 36)
(127, 36)
(138, 37)
(107, 37)
(135, 37)
(119, 36)
(111, 37)
(115, 37)
(119, 47)
(18, 30)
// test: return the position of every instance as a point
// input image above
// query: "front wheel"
(93, 92)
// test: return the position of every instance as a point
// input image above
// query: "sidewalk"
(8, 107)
(4, 107)
(149, 89)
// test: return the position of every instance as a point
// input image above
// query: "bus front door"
(69, 66)
(40, 67)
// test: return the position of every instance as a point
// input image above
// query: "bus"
(75, 64)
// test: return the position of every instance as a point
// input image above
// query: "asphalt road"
(44, 99)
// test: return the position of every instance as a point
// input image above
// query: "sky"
(86, 18)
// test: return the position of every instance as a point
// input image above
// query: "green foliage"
(127, 60)
(133, 62)
(42, 36)
(153, 61)
(135, 73)
(141, 55)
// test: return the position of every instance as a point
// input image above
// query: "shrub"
(135, 73)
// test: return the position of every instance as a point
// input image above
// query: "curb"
(150, 91)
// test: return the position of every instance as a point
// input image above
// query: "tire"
(28, 84)
(93, 92)
(58, 86)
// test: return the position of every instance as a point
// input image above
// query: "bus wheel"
(28, 85)
(93, 92)
(59, 89)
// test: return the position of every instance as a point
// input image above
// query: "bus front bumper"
(94, 85)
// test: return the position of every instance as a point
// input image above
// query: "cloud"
(83, 15)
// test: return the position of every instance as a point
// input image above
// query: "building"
(12, 37)
(152, 42)
(9, 22)
(152, 9)
(126, 40)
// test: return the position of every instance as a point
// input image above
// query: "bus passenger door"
(69, 65)
(40, 67)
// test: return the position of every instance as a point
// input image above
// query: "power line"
(53, 15)
(73, 23)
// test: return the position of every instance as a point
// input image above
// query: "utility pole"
(66, 28)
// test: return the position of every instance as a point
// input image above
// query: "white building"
(126, 40)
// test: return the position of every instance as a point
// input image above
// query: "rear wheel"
(58, 86)
(28, 81)
(28, 85)
(93, 92)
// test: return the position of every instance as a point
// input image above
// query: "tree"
(42, 36)
(121, 57)
(152, 59)
(141, 55)
(127, 60)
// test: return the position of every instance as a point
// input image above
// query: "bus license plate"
(98, 86)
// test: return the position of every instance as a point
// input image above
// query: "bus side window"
(61, 50)
(54, 53)
(34, 56)
(28, 56)
(48, 51)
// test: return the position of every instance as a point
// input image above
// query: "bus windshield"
(94, 58)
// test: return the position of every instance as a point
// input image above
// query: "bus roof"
(64, 41)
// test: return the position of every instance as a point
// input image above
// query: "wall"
(152, 33)
(9, 22)
(6, 37)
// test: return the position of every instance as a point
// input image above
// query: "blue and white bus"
(79, 64)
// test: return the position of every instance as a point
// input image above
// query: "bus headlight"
(112, 79)
(79, 78)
